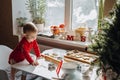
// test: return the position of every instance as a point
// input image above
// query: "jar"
(81, 34)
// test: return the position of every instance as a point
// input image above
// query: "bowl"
(69, 68)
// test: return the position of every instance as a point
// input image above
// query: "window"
(84, 12)
(72, 12)
(55, 12)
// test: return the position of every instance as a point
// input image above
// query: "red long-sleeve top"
(22, 51)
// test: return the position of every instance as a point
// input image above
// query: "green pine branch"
(107, 42)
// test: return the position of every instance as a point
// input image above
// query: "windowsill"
(63, 44)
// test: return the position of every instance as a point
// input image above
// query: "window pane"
(54, 12)
(84, 12)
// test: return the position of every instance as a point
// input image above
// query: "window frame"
(68, 14)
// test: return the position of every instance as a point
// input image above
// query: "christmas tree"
(107, 42)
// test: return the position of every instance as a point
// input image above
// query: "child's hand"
(35, 63)
(42, 55)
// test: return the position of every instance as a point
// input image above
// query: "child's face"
(31, 36)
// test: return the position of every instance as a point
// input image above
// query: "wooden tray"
(81, 56)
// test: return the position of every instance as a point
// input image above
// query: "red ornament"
(83, 38)
(70, 37)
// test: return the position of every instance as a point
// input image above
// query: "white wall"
(19, 9)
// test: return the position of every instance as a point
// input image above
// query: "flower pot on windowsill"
(39, 22)
(40, 27)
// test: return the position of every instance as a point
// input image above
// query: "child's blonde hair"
(29, 27)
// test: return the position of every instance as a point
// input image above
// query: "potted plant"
(107, 45)
(37, 8)
(20, 22)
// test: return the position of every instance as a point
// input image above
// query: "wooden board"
(81, 56)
